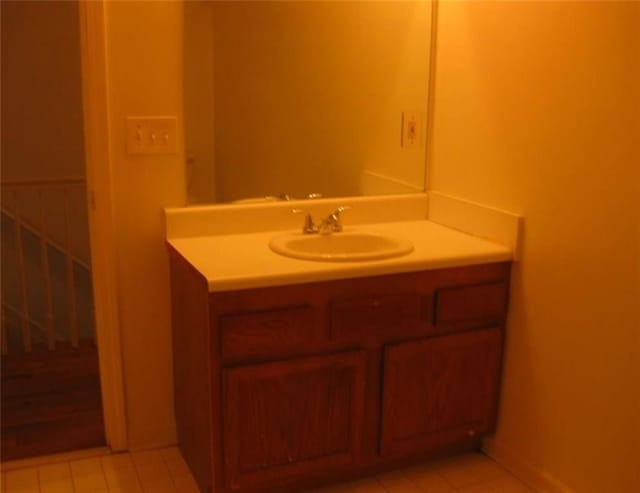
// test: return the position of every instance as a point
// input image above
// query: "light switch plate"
(411, 129)
(151, 134)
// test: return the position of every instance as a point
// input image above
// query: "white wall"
(536, 111)
(144, 47)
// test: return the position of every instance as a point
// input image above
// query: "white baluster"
(71, 295)
(44, 257)
(5, 345)
(24, 315)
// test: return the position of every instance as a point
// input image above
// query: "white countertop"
(241, 261)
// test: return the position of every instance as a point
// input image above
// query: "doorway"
(51, 397)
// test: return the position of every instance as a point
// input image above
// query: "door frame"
(95, 99)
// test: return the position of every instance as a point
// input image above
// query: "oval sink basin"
(346, 246)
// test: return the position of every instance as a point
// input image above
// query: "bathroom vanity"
(300, 373)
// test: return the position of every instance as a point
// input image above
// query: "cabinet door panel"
(291, 418)
(439, 390)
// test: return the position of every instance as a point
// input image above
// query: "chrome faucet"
(287, 197)
(309, 227)
(333, 222)
(330, 224)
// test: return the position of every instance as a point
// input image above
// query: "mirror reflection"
(291, 99)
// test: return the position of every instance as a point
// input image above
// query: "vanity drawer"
(269, 333)
(376, 315)
(469, 307)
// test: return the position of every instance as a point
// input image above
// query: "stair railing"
(13, 189)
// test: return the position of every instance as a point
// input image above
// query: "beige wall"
(41, 94)
(310, 94)
(144, 47)
(42, 134)
(536, 111)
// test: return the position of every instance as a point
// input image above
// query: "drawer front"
(378, 315)
(269, 333)
(468, 307)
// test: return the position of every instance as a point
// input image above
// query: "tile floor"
(164, 470)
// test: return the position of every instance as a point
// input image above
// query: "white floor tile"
(165, 471)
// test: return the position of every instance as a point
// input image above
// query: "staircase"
(50, 378)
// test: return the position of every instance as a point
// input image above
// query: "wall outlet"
(151, 135)
(411, 135)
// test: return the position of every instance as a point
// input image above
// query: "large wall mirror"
(289, 99)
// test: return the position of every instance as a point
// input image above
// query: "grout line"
(73, 484)
(54, 458)
(104, 476)
(166, 466)
(135, 469)
(382, 486)
(346, 484)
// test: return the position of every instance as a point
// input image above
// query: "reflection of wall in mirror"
(308, 97)
(199, 102)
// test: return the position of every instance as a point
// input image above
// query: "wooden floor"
(51, 402)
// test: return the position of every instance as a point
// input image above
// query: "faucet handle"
(309, 226)
(333, 222)
(337, 217)
(314, 196)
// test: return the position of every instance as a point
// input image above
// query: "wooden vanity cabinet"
(291, 387)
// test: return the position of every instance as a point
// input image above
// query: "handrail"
(39, 186)
(32, 229)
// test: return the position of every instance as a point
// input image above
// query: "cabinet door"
(293, 418)
(439, 391)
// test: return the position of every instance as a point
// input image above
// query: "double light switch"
(151, 135)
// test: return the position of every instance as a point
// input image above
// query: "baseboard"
(476, 219)
(538, 480)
